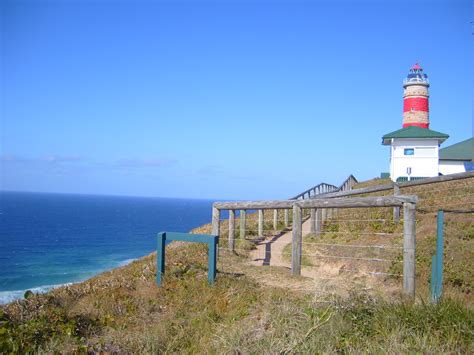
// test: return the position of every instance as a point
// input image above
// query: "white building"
(457, 158)
(414, 153)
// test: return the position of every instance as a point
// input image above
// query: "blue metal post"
(211, 240)
(439, 255)
(211, 262)
(160, 257)
(433, 278)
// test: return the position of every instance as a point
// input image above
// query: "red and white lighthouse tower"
(415, 98)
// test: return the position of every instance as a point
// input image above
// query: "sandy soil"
(322, 279)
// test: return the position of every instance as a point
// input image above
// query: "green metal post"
(160, 257)
(211, 274)
(437, 261)
(211, 240)
(433, 278)
(439, 254)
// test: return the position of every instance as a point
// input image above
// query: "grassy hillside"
(123, 310)
(254, 309)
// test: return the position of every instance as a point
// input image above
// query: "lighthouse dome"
(416, 77)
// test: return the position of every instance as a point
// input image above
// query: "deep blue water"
(52, 239)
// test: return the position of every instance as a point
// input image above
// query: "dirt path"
(269, 252)
(322, 278)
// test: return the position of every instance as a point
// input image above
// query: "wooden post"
(324, 215)
(296, 242)
(231, 230)
(260, 223)
(287, 220)
(318, 221)
(242, 224)
(409, 247)
(396, 210)
(312, 220)
(216, 220)
(275, 219)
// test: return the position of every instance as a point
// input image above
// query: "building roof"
(460, 151)
(414, 132)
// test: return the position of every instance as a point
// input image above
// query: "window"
(409, 151)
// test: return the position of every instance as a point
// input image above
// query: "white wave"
(10, 296)
(126, 262)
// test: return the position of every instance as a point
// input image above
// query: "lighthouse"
(414, 149)
(416, 110)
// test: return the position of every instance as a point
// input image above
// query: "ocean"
(47, 240)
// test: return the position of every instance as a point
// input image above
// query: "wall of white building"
(421, 155)
(451, 167)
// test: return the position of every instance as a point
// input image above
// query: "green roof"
(460, 151)
(414, 132)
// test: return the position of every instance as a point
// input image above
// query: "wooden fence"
(407, 202)
(396, 186)
(324, 188)
(320, 201)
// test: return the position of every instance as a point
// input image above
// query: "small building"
(457, 158)
(414, 152)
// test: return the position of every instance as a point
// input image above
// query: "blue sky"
(219, 99)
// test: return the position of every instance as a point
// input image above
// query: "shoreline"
(8, 296)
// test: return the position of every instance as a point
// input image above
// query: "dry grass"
(124, 311)
(373, 182)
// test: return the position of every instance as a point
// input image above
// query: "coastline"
(49, 240)
(8, 296)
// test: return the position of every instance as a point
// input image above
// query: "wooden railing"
(407, 202)
(397, 186)
(324, 188)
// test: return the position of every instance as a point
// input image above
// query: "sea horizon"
(112, 195)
